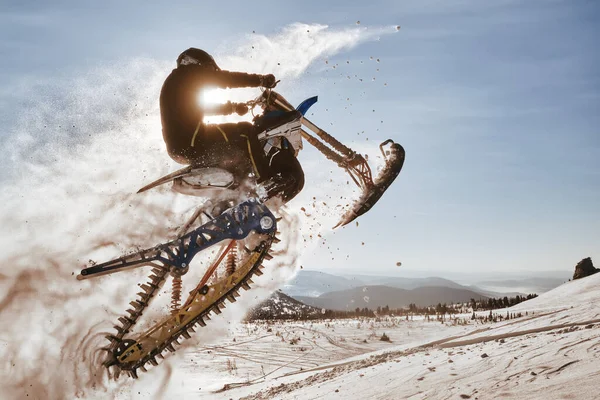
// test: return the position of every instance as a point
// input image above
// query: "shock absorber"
(231, 262)
(176, 294)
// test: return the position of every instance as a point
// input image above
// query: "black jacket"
(179, 108)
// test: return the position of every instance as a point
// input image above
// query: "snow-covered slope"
(550, 353)
(580, 294)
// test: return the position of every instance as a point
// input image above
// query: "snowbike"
(245, 229)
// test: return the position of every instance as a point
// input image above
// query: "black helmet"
(198, 57)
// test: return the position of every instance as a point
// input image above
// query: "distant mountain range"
(347, 292)
(312, 291)
(406, 283)
(530, 285)
(315, 283)
(380, 296)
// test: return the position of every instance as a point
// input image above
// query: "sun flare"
(213, 96)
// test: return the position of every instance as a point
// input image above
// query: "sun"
(209, 98)
(212, 96)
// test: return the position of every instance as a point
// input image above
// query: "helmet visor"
(186, 59)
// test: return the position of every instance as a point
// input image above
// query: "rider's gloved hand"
(268, 81)
(240, 108)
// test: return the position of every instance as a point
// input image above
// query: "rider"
(190, 141)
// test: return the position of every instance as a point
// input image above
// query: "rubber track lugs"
(126, 322)
(199, 321)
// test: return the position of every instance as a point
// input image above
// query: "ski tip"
(394, 160)
(145, 188)
(346, 219)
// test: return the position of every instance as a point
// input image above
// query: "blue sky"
(497, 105)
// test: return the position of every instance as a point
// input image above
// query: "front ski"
(353, 163)
(372, 192)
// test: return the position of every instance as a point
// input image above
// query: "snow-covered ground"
(550, 352)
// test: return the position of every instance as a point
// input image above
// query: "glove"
(240, 108)
(268, 81)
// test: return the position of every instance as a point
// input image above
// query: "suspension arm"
(354, 163)
(235, 223)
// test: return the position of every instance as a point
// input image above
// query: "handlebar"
(270, 100)
(261, 100)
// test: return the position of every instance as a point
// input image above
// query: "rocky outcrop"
(281, 306)
(584, 268)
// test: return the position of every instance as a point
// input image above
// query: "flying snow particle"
(366, 299)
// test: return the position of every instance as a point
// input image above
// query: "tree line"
(412, 309)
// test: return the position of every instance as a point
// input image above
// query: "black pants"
(233, 146)
(286, 173)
